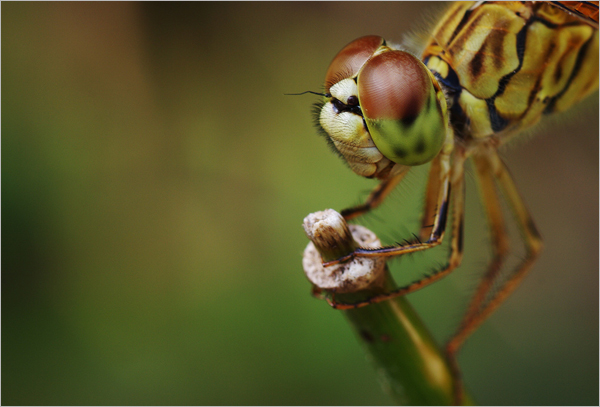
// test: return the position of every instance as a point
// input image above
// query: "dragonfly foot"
(343, 259)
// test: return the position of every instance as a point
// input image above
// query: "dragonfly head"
(382, 106)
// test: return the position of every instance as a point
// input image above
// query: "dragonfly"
(489, 71)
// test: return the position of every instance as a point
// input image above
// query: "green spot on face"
(420, 147)
(409, 120)
(400, 152)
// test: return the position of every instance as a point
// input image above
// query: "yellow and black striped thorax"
(505, 64)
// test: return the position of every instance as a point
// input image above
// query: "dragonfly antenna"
(308, 91)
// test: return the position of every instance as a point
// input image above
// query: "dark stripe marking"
(451, 85)
(476, 63)
(443, 217)
(532, 228)
(544, 22)
(460, 26)
(497, 122)
(581, 56)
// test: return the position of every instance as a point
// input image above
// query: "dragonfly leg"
(432, 209)
(375, 198)
(491, 204)
(381, 191)
(488, 166)
(438, 188)
(429, 211)
(317, 293)
(456, 248)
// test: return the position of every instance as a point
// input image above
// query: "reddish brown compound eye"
(351, 58)
(393, 85)
(403, 110)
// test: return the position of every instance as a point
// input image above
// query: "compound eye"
(393, 85)
(351, 58)
(404, 112)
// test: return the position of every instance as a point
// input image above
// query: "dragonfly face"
(383, 107)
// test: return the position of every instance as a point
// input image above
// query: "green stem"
(413, 367)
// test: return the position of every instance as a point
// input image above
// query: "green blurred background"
(154, 182)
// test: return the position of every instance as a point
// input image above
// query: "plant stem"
(412, 367)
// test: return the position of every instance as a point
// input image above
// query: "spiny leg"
(456, 246)
(381, 191)
(375, 198)
(433, 185)
(533, 247)
(491, 204)
(439, 224)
